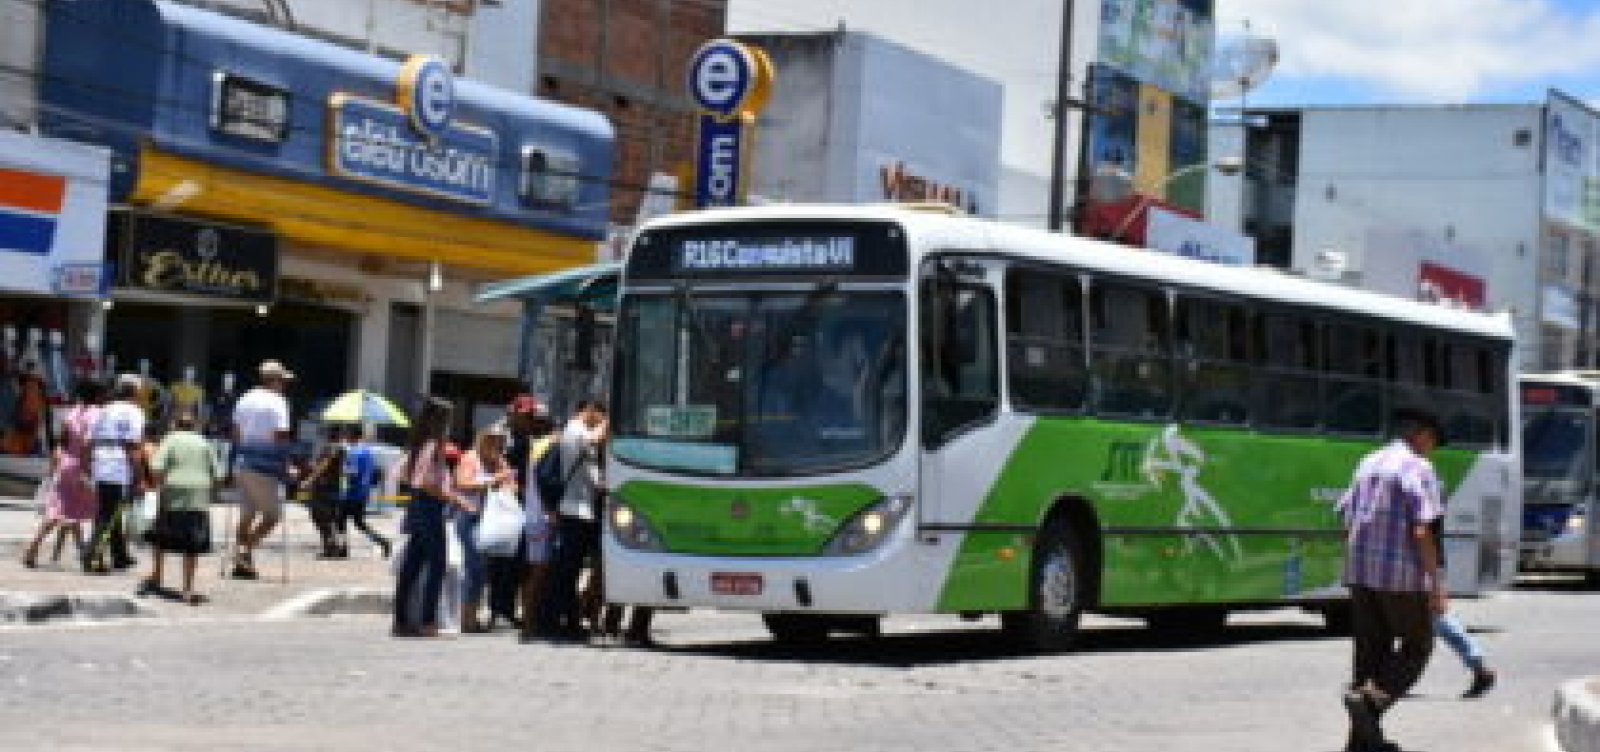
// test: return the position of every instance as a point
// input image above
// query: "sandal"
(146, 587)
(195, 599)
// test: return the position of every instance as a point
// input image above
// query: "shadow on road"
(957, 646)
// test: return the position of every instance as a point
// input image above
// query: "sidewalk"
(62, 585)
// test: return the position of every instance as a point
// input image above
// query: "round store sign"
(727, 78)
(428, 94)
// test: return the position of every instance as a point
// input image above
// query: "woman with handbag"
(481, 469)
(186, 470)
(420, 576)
(69, 498)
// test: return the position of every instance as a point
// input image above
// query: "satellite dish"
(1240, 63)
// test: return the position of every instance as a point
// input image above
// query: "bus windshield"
(760, 384)
(1553, 443)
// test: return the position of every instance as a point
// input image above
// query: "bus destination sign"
(812, 254)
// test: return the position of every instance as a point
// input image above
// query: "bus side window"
(1353, 389)
(1214, 347)
(1289, 389)
(1131, 361)
(960, 360)
(1044, 340)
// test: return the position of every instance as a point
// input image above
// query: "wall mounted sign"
(249, 109)
(414, 146)
(731, 82)
(175, 255)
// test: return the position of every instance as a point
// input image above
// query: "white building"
(858, 119)
(1467, 205)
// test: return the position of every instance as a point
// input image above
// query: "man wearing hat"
(262, 434)
(1392, 568)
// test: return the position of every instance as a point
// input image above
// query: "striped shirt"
(1394, 490)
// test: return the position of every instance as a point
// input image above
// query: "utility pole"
(1058, 155)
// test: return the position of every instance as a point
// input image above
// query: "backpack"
(547, 474)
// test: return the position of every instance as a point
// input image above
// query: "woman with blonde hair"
(481, 469)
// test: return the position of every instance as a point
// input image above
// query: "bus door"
(959, 365)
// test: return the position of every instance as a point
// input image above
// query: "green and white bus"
(826, 414)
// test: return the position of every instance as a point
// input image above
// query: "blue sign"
(427, 93)
(374, 142)
(722, 76)
(719, 166)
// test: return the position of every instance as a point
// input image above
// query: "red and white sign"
(1437, 283)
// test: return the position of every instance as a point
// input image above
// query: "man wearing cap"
(262, 435)
(1392, 570)
(114, 466)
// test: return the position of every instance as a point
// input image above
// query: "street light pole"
(1058, 154)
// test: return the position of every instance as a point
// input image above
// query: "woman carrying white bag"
(484, 476)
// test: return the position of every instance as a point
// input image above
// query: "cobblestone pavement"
(716, 684)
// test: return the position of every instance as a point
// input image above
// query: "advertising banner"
(1151, 166)
(52, 215)
(1437, 283)
(1114, 121)
(1572, 166)
(1174, 233)
(1189, 134)
(1166, 43)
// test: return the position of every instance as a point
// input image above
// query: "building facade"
(628, 59)
(855, 118)
(315, 197)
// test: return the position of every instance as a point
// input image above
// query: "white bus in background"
(1560, 454)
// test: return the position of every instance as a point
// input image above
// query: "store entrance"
(167, 340)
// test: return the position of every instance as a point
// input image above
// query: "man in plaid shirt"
(1392, 570)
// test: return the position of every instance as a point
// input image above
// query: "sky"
(1332, 51)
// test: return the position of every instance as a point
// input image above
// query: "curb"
(39, 608)
(1577, 715)
(333, 602)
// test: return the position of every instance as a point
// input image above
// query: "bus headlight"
(1575, 522)
(869, 528)
(632, 530)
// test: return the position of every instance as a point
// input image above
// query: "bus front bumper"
(878, 583)
(1567, 551)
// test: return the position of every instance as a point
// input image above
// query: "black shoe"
(385, 546)
(128, 563)
(1365, 733)
(242, 572)
(1482, 681)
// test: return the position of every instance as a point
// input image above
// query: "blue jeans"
(1454, 633)
(420, 582)
(475, 574)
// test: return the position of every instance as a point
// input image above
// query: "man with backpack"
(572, 476)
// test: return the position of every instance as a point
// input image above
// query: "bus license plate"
(735, 583)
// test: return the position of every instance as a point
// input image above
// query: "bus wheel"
(798, 629)
(1056, 593)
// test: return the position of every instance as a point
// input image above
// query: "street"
(1269, 683)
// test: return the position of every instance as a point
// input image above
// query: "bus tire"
(1058, 589)
(798, 629)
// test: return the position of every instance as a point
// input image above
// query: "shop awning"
(594, 285)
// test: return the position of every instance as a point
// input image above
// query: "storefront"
(387, 191)
(52, 228)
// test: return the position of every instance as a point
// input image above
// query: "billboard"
(1166, 43)
(1154, 147)
(1115, 119)
(1572, 166)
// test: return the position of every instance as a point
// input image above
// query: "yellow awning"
(354, 222)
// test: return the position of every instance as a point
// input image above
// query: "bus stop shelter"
(567, 320)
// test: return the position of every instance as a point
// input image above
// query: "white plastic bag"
(500, 526)
(140, 515)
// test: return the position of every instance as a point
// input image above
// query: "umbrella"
(362, 406)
